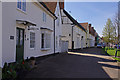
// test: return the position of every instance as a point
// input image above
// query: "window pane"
(19, 4)
(21, 37)
(32, 39)
(48, 40)
(24, 5)
(17, 37)
(42, 41)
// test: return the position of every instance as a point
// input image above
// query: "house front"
(86, 26)
(27, 30)
(56, 7)
(91, 36)
(72, 31)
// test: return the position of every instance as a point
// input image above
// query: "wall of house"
(92, 40)
(77, 33)
(33, 14)
(8, 29)
(87, 36)
(66, 30)
(0, 34)
(58, 29)
(79, 42)
(67, 34)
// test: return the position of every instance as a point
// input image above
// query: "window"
(44, 17)
(21, 4)
(45, 40)
(42, 41)
(32, 40)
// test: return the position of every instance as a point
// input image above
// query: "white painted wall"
(66, 30)
(0, 35)
(8, 29)
(92, 40)
(33, 14)
(58, 29)
(67, 34)
(77, 33)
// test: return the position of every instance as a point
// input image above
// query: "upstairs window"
(21, 4)
(44, 17)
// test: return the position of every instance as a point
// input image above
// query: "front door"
(19, 44)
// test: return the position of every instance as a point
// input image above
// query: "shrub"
(8, 72)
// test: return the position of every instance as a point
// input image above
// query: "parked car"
(99, 45)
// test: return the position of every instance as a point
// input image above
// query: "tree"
(116, 22)
(109, 32)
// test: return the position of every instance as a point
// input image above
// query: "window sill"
(45, 49)
(21, 11)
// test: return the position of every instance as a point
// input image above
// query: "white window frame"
(30, 40)
(46, 33)
(21, 3)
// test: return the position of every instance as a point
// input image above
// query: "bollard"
(116, 53)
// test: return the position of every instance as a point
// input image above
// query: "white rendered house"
(27, 30)
(72, 31)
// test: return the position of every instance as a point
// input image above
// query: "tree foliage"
(109, 32)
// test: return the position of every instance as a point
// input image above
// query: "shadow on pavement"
(73, 65)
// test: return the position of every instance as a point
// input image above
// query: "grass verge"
(118, 59)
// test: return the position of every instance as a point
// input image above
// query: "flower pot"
(32, 62)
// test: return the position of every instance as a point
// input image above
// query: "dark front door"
(19, 44)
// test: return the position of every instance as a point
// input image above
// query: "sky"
(95, 13)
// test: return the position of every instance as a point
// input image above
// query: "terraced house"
(27, 29)
(72, 31)
(56, 7)
(39, 29)
(86, 26)
(91, 36)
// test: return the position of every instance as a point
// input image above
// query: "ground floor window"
(32, 40)
(45, 40)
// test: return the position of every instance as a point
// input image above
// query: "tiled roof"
(43, 4)
(92, 31)
(73, 20)
(51, 6)
(61, 5)
(84, 25)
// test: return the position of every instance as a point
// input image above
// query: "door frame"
(19, 41)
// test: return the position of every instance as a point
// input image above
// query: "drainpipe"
(54, 34)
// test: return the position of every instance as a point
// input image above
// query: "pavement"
(85, 63)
